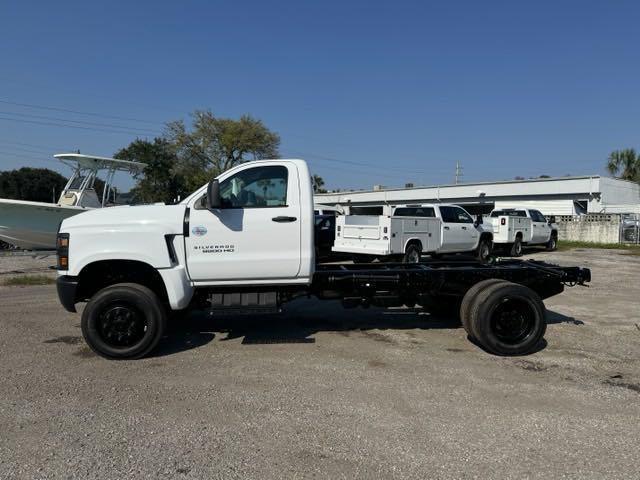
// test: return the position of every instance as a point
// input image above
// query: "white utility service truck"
(411, 231)
(518, 226)
(244, 243)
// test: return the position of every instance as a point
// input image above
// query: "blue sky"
(406, 88)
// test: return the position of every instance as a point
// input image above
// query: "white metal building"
(552, 196)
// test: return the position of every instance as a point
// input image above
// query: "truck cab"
(262, 230)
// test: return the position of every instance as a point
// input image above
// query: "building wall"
(547, 207)
(554, 196)
(615, 192)
(590, 228)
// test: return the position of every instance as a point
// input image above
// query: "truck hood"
(166, 218)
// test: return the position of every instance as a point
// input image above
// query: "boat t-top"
(33, 225)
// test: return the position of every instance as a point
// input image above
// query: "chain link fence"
(630, 228)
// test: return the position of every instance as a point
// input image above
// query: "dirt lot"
(328, 393)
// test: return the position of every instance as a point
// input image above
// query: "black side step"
(242, 303)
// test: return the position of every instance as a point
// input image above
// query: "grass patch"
(30, 280)
(564, 245)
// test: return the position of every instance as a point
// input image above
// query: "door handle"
(464, 228)
(284, 219)
(446, 228)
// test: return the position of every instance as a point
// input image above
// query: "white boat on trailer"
(33, 225)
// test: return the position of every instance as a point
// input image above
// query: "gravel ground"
(329, 393)
(14, 264)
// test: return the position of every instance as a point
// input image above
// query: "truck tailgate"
(362, 234)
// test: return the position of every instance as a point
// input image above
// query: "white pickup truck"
(244, 243)
(518, 226)
(411, 231)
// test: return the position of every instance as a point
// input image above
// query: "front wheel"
(552, 244)
(123, 321)
(483, 252)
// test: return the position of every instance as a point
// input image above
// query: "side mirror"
(552, 219)
(479, 220)
(213, 194)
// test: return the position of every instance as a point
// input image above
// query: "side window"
(425, 212)
(455, 215)
(448, 214)
(462, 216)
(539, 216)
(257, 187)
(414, 212)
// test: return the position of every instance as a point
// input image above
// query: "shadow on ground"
(301, 320)
(297, 324)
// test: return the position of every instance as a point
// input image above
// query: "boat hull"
(32, 225)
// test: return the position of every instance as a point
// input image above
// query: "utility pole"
(458, 172)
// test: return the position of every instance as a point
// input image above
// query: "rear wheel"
(516, 248)
(412, 254)
(508, 319)
(123, 321)
(469, 298)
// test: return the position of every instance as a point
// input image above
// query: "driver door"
(255, 236)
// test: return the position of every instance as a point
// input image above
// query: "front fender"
(146, 245)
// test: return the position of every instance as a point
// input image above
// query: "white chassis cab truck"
(411, 231)
(244, 243)
(518, 226)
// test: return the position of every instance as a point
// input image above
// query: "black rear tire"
(124, 321)
(483, 252)
(508, 319)
(412, 254)
(516, 248)
(468, 300)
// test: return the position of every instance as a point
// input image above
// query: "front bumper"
(67, 287)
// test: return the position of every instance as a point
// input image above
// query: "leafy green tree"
(624, 164)
(318, 183)
(35, 184)
(213, 145)
(161, 181)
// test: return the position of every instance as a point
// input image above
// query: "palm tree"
(625, 164)
(318, 183)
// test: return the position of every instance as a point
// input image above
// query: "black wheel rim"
(121, 325)
(513, 320)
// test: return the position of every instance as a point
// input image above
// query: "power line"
(50, 124)
(43, 148)
(367, 174)
(28, 157)
(362, 164)
(26, 150)
(78, 112)
(81, 122)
